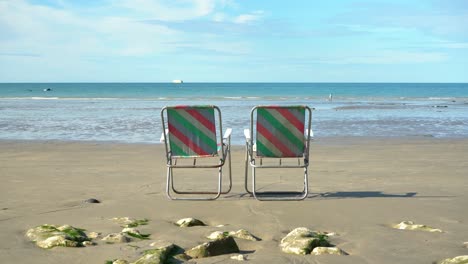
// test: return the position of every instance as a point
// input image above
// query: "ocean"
(130, 112)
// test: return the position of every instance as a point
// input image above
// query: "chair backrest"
(280, 131)
(192, 131)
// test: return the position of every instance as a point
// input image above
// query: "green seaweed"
(152, 251)
(109, 262)
(50, 228)
(76, 234)
(323, 239)
(138, 222)
(140, 236)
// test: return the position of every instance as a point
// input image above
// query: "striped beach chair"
(190, 132)
(281, 132)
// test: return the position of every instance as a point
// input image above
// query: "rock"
(456, 260)
(302, 241)
(129, 222)
(161, 244)
(93, 235)
(410, 225)
(117, 238)
(327, 251)
(217, 235)
(131, 230)
(239, 257)
(49, 236)
(155, 256)
(188, 222)
(217, 247)
(181, 258)
(123, 220)
(120, 261)
(89, 243)
(331, 234)
(57, 241)
(92, 200)
(241, 233)
(465, 244)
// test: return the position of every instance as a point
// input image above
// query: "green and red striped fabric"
(192, 131)
(280, 131)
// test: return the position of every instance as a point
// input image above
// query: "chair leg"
(246, 178)
(304, 195)
(170, 183)
(169, 186)
(222, 192)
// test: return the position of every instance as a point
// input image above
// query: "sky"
(233, 41)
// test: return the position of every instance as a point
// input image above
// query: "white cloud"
(66, 42)
(58, 33)
(249, 18)
(167, 10)
(219, 17)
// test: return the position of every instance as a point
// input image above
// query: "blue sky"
(233, 41)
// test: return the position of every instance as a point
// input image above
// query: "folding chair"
(281, 133)
(190, 133)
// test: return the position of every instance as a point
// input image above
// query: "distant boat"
(177, 81)
(47, 90)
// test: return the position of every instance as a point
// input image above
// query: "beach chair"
(190, 134)
(281, 133)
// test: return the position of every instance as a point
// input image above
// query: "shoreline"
(321, 140)
(358, 189)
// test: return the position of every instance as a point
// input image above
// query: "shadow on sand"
(362, 194)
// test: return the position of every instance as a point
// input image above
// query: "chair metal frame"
(252, 160)
(171, 161)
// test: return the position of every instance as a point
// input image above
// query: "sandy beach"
(359, 188)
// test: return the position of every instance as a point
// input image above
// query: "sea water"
(130, 112)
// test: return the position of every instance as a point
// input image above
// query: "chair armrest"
(247, 140)
(247, 134)
(162, 135)
(311, 134)
(227, 133)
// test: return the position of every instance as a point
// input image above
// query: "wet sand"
(359, 187)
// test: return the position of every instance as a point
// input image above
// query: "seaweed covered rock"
(188, 222)
(133, 232)
(456, 260)
(328, 251)
(225, 245)
(156, 256)
(302, 241)
(49, 236)
(410, 225)
(129, 222)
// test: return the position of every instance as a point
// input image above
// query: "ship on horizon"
(177, 81)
